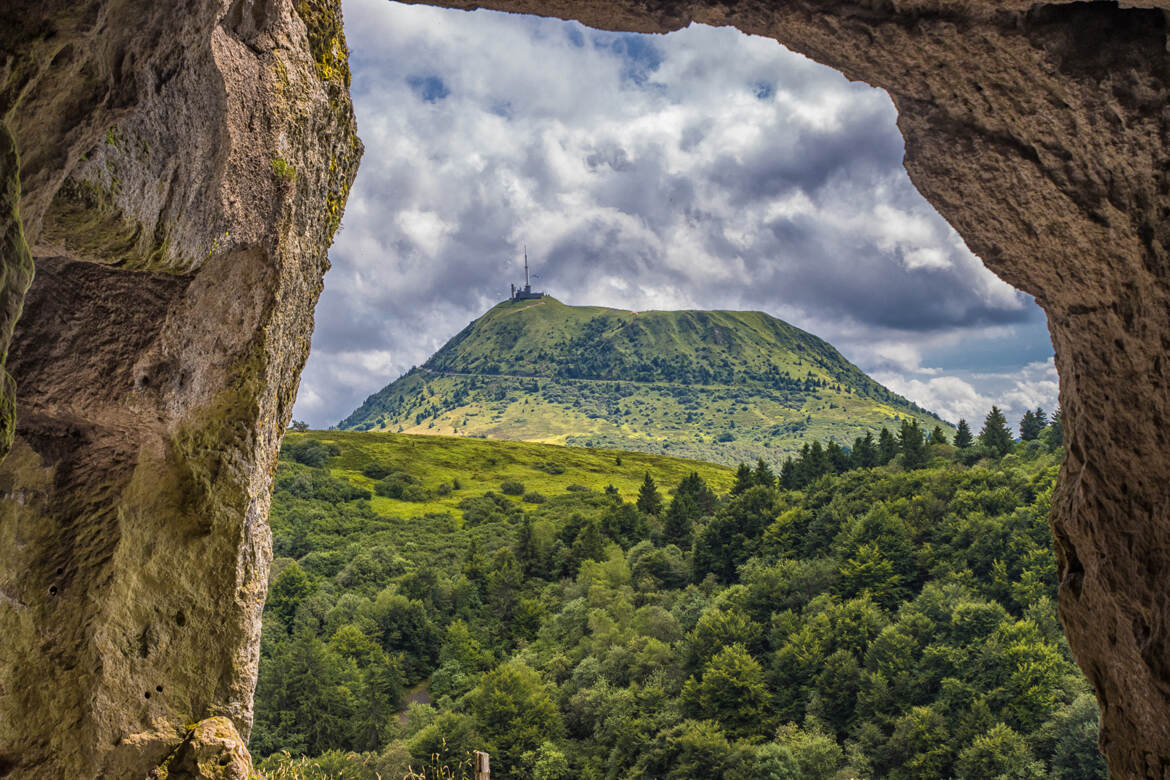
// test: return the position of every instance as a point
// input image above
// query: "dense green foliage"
(717, 385)
(893, 619)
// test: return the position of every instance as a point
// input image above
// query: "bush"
(443, 490)
(488, 508)
(310, 452)
(510, 487)
(575, 488)
(401, 486)
(377, 470)
(321, 486)
(548, 467)
(533, 497)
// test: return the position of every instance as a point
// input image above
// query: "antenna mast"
(526, 284)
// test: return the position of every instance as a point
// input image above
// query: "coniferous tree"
(744, 479)
(589, 544)
(679, 522)
(865, 453)
(963, 438)
(649, 502)
(788, 475)
(474, 565)
(996, 436)
(763, 475)
(527, 553)
(938, 436)
(697, 490)
(818, 461)
(838, 457)
(913, 445)
(1054, 432)
(1032, 424)
(804, 474)
(1028, 426)
(887, 447)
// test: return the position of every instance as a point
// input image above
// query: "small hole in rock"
(147, 694)
(180, 619)
(60, 572)
(53, 590)
(158, 688)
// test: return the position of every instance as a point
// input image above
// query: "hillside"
(721, 386)
(882, 622)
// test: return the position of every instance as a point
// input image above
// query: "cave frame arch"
(210, 153)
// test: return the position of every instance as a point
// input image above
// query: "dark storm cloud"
(700, 169)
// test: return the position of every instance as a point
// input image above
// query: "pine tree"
(527, 553)
(649, 502)
(938, 436)
(589, 544)
(838, 457)
(788, 475)
(1054, 432)
(804, 467)
(678, 526)
(763, 476)
(996, 436)
(963, 438)
(1032, 424)
(693, 487)
(818, 461)
(887, 447)
(865, 453)
(744, 479)
(913, 445)
(474, 565)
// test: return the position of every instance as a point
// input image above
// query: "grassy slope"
(667, 382)
(482, 465)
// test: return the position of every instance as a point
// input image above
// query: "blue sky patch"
(429, 88)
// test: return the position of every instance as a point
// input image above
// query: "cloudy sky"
(701, 169)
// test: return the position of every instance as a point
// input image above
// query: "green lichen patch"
(16, 275)
(283, 169)
(85, 220)
(326, 38)
(211, 483)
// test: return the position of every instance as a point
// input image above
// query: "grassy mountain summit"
(717, 385)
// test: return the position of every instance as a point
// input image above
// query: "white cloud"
(702, 169)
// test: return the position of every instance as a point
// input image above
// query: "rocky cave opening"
(177, 266)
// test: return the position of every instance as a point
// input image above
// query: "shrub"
(310, 452)
(401, 486)
(510, 487)
(376, 470)
(549, 467)
(532, 497)
(575, 488)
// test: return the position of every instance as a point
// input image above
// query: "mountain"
(722, 386)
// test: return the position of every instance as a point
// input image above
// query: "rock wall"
(178, 170)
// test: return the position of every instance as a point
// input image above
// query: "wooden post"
(483, 769)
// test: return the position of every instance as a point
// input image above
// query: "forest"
(880, 611)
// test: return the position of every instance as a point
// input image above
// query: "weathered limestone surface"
(178, 171)
(1042, 133)
(181, 169)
